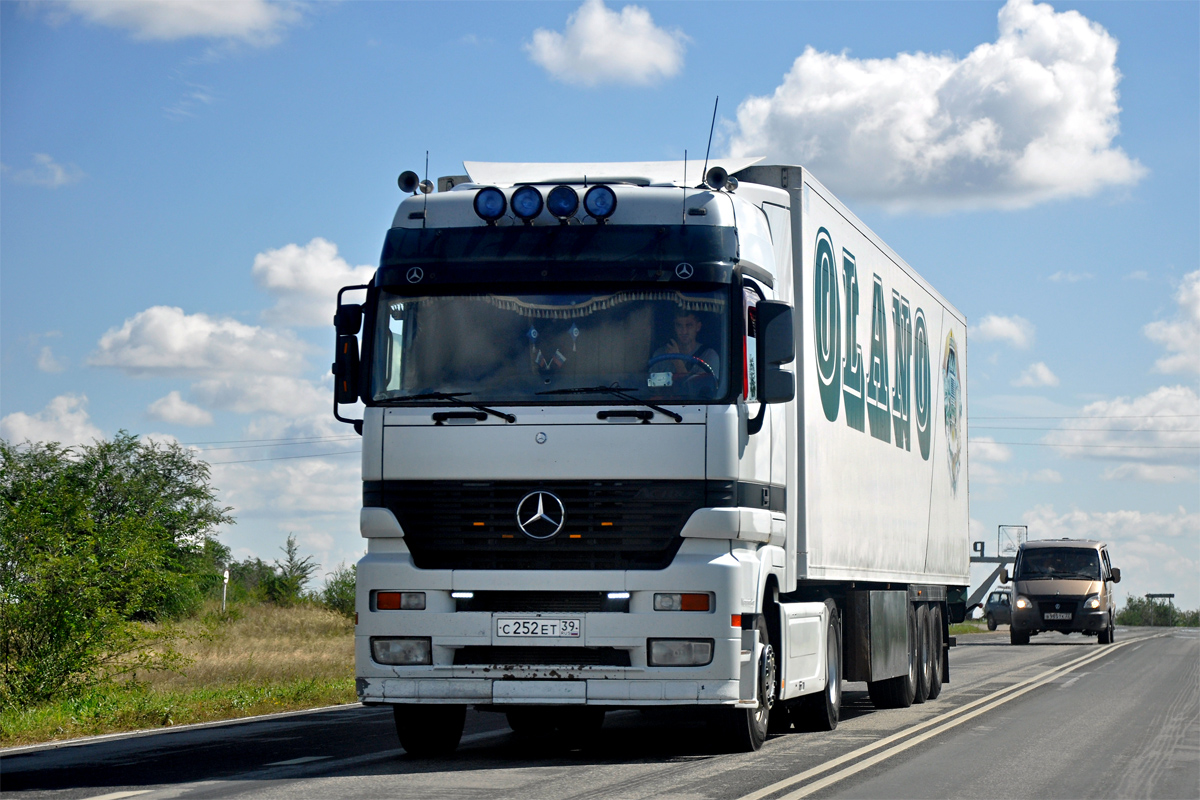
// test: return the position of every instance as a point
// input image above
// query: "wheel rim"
(766, 685)
(833, 678)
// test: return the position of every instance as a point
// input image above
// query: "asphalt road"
(1061, 717)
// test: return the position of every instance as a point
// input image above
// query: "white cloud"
(48, 173)
(1156, 551)
(275, 394)
(1138, 275)
(985, 448)
(299, 486)
(1152, 473)
(47, 362)
(1071, 277)
(1038, 374)
(64, 420)
(601, 46)
(1156, 428)
(257, 22)
(1182, 336)
(173, 408)
(1025, 119)
(305, 280)
(163, 340)
(1015, 330)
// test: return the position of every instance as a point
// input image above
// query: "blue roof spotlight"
(600, 202)
(527, 203)
(563, 202)
(490, 204)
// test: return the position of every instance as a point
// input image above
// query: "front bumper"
(1081, 621)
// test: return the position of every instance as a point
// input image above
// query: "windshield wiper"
(453, 399)
(616, 391)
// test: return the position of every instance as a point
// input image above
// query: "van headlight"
(679, 652)
(1023, 604)
(398, 651)
(1092, 603)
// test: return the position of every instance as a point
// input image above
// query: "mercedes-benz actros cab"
(631, 441)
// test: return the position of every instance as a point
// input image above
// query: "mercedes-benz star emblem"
(540, 515)
(415, 275)
(684, 270)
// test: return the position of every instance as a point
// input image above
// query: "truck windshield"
(1045, 563)
(659, 345)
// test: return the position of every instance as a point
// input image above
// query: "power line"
(1105, 446)
(1099, 416)
(281, 439)
(1095, 430)
(286, 458)
(278, 444)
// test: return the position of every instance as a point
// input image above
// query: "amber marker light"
(735, 620)
(478, 524)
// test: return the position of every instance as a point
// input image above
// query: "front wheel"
(1106, 636)
(745, 729)
(426, 731)
(1018, 637)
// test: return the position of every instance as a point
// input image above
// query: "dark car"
(998, 609)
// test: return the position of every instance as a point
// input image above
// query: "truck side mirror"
(345, 370)
(1004, 574)
(1116, 575)
(775, 345)
(348, 319)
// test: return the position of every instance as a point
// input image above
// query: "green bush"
(1147, 612)
(94, 540)
(338, 594)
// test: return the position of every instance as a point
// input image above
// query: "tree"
(285, 586)
(338, 594)
(92, 540)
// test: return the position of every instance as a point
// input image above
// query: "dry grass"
(258, 644)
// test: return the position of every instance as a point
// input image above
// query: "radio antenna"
(708, 149)
(683, 208)
(425, 207)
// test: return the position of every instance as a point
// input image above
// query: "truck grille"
(614, 525)
(483, 655)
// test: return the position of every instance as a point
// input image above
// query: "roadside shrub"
(338, 594)
(93, 540)
(1147, 612)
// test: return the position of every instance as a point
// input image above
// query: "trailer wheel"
(899, 692)
(821, 712)
(936, 651)
(924, 656)
(426, 731)
(745, 729)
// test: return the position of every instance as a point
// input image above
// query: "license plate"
(1056, 615)
(537, 628)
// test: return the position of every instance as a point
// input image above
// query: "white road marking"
(981, 706)
(301, 760)
(118, 795)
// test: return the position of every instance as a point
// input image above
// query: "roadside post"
(224, 589)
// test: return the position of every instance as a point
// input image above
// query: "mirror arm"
(754, 424)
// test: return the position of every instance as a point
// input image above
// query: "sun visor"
(637, 172)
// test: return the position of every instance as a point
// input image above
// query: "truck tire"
(991, 620)
(937, 650)
(924, 657)
(426, 731)
(1018, 637)
(1106, 636)
(821, 712)
(745, 729)
(899, 692)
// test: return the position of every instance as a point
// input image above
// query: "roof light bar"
(600, 202)
(527, 203)
(490, 204)
(562, 202)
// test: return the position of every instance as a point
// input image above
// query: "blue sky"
(185, 185)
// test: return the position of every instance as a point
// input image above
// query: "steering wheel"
(683, 357)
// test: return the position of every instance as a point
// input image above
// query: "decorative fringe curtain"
(546, 311)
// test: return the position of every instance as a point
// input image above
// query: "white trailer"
(630, 442)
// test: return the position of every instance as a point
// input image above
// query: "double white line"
(931, 727)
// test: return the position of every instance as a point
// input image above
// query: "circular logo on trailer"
(540, 515)
(684, 270)
(540, 438)
(415, 275)
(952, 403)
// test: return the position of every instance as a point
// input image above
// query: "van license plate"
(539, 628)
(1056, 615)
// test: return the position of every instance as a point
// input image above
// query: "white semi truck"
(630, 441)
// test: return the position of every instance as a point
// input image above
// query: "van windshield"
(1046, 563)
(659, 345)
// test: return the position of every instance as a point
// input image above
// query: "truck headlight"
(679, 652)
(401, 652)
(1023, 604)
(1092, 603)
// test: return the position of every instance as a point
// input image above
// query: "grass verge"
(970, 626)
(256, 659)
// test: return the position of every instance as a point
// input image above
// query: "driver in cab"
(690, 350)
